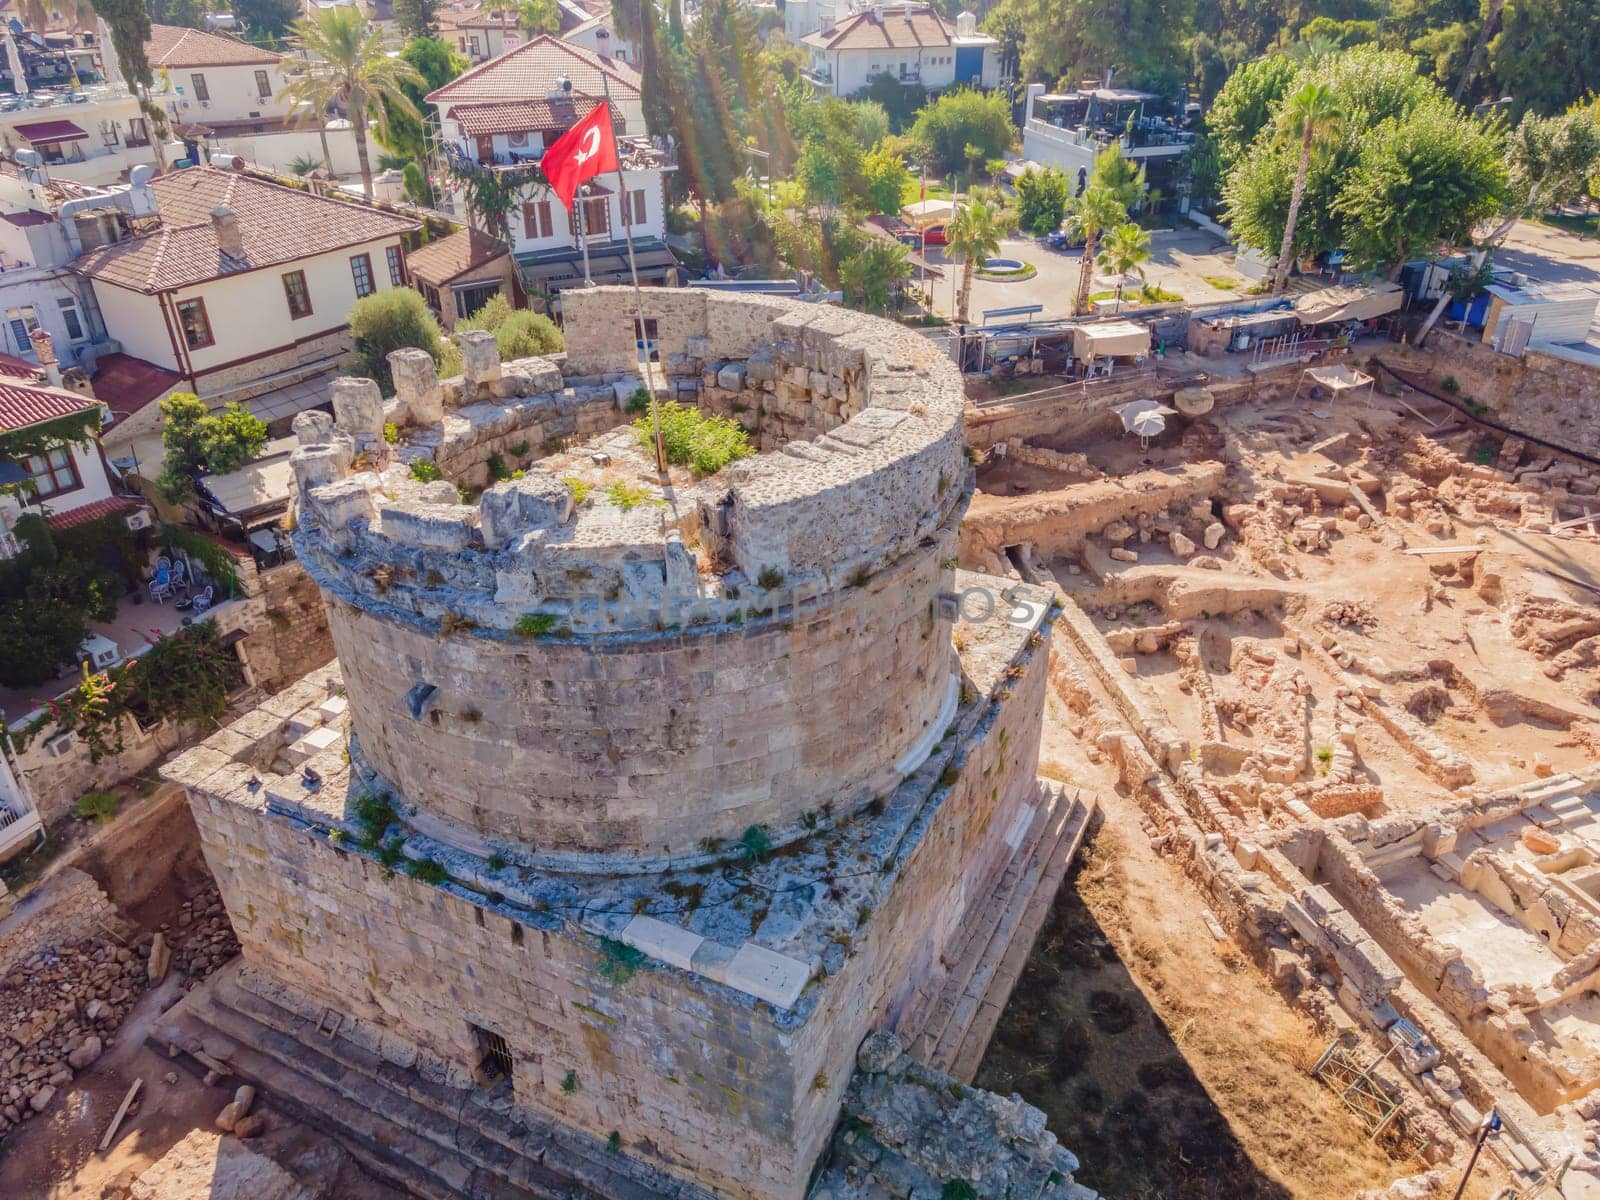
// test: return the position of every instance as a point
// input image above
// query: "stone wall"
(1538, 394)
(67, 908)
(717, 1086)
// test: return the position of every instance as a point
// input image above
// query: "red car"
(933, 235)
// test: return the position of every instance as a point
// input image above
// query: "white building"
(239, 278)
(65, 484)
(908, 42)
(599, 34)
(93, 138)
(500, 116)
(1066, 130)
(215, 82)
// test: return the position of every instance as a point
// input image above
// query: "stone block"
(313, 427)
(766, 975)
(670, 944)
(312, 744)
(358, 408)
(315, 465)
(480, 360)
(416, 385)
(536, 501)
(332, 709)
(432, 526)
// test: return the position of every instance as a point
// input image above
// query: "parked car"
(1059, 240)
(933, 236)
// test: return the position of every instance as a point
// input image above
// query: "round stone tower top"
(598, 668)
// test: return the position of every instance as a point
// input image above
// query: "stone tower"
(631, 808)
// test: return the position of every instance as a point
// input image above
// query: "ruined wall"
(645, 745)
(68, 907)
(706, 1080)
(1537, 394)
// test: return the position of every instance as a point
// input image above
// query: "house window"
(196, 326)
(472, 43)
(294, 287)
(138, 132)
(470, 299)
(536, 220)
(52, 473)
(263, 85)
(201, 92)
(596, 217)
(22, 322)
(397, 266)
(108, 133)
(361, 272)
(72, 319)
(633, 207)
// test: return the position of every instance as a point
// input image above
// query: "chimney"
(229, 240)
(44, 349)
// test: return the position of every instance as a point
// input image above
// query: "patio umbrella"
(1146, 418)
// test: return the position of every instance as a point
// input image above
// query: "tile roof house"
(68, 482)
(216, 82)
(502, 114)
(908, 42)
(459, 274)
(243, 277)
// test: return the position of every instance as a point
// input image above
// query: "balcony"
(19, 824)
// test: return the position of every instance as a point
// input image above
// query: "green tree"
(1042, 197)
(873, 277)
(196, 441)
(958, 120)
(900, 101)
(436, 63)
(538, 16)
(869, 122)
(1099, 209)
(416, 18)
(518, 333)
(1244, 106)
(973, 234)
(350, 68)
(188, 14)
(128, 22)
(1078, 39)
(392, 320)
(267, 20)
(1549, 161)
(1122, 252)
(1545, 53)
(884, 180)
(1309, 115)
(1429, 177)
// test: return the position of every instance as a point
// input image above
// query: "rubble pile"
(201, 937)
(58, 1009)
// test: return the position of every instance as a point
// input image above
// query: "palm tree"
(1126, 248)
(351, 69)
(1309, 115)
(1091, 214)
(973, 235)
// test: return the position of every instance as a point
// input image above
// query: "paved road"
(1180, 262)
(1552, 255)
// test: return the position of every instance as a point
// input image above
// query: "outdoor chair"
(202, 599)
(161, 584)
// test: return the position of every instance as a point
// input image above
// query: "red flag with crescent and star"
(581, 153)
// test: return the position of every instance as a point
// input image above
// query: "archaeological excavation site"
(913, 789)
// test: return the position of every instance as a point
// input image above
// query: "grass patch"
(703, 442)
(99, 807)
(628, 496)
(1223, 283)
(619, 962)
(424, 471)
(639, 402)
(1152, 294)
(532, 625)
(581, 489)
(427, 870)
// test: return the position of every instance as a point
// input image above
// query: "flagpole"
(642, 347)
(583, 234)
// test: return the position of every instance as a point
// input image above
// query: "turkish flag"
(581, 153)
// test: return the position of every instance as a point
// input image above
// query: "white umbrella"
(1146, 418)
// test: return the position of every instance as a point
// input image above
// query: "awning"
(610, 266)
(42, 132)
(928, 212)
(1110, 337)
(1354, 303)
(1336, 377)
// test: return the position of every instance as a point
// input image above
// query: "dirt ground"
(1161, 1055)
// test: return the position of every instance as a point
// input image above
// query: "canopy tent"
(1357, 302)
(928, 212)
(1337, 378)
(1110, 337)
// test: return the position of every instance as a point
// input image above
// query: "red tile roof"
(85, 513)
(532, 69)
(128, 384)
(900, 29)
(12, 367)
(517, 116)
(278, 225)
(22, 406)
(175, 46)
(51, 131)
(440, 262)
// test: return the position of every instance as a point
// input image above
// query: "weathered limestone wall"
(651, 743)
(69, 907)
(730, 326)
(704, 1079)
(1537, 394)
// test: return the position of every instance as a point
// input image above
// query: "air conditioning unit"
(138, 519)
(61, 745)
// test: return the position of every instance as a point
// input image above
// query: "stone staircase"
(435, 1141)
(998, 933)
